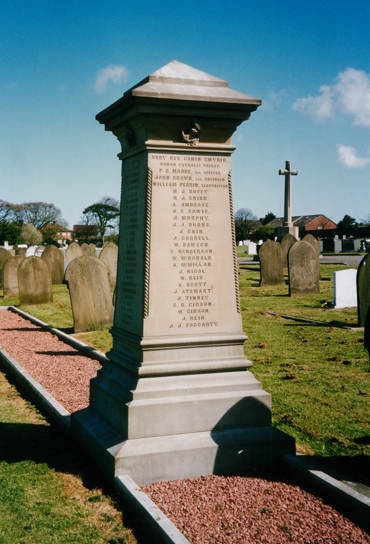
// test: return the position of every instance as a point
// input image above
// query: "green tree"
(268, 217)
(347, 226)
(104, 214)
(263, 233)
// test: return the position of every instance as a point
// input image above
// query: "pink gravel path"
(207, 510)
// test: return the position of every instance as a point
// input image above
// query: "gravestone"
(10, 275)
(109, 255)
(4, 256)
(345, 289)
(363, 289)
(286, 244)
(271, 259)
(304, 270)
(91, 299)
(73, 251)
(55, 261)
(92, 247)
(313, 241)
(86, 250)
(175, 398)
(39, 251)
(31, 251)
(21, 251)
(34, 282)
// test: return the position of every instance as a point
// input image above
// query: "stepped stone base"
(164, 458)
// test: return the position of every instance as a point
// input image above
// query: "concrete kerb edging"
(155, 523)
(337, 490)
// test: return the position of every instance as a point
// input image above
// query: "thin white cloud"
(349, 95)
(114, 72)
(348, 157)
(273, 100)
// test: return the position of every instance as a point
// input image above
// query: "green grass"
(318, 375)
(47, 486)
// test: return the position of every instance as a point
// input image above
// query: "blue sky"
(61, 63)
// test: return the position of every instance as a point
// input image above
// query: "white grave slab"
(345, 291)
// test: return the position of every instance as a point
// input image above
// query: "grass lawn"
(318, 375)
(49, 492)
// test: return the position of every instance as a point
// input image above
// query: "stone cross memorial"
(287, 227)
(177, 398)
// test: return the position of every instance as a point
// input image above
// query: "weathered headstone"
(21, 251)
(313, 241)
(363, 289)
(345, 290)
(92, 247)
(55, 260)
(304, 270)
(4, 256)
(40, 250)
(286, 244)
(73, 251)
(34, 282)
(175, 392)
(10, 275)
(86, 250)
(91, 298)
(271, 259)
(109, 255)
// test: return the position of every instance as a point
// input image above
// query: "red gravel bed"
(207, 510)
(241, 510)
(59, 368)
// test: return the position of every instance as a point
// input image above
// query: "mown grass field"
(318, 374)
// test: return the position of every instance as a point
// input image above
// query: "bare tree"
(41, 214)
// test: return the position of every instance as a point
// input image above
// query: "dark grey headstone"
(91, 299)
(55, 260)
(271, 258)
(304, 270)
(34, 282)
(363, 289)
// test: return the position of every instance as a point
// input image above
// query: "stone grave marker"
(109, 255)
(271, 259)
(21, 251)
(92, 247)
(304, 271)
(286, 244)
(31, 251)
(4, 256)
(91, 299)
(40, 250)
(363, 289)
(73, 251)
(55, 260)
(345, 289)
(86, 250)
(34, 282)
(10, 275)
(175, 398)
(313, 241)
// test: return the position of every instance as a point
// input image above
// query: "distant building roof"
(86, 229)
(316, 222)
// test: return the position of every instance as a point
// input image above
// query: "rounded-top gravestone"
(363, 289)
(4, 256)
(91, 299)
(34, 282)
(271, 258)
(109, 255)
(286, 244)
(73, 251)
(86, 250)
(55, 261)
(10, 276)
(313, 241)
(304, 271)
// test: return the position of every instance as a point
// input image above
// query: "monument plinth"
(176, 399)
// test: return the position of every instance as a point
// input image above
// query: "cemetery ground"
(317, 372)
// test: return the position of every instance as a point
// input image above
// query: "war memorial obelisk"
(176, 398)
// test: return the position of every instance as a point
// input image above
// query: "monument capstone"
(177, 398)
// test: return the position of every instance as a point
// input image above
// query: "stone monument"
(271, 267)
(304, 270)
(176, 398)
(287, 227)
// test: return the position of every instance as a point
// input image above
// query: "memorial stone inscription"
(176, 389)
